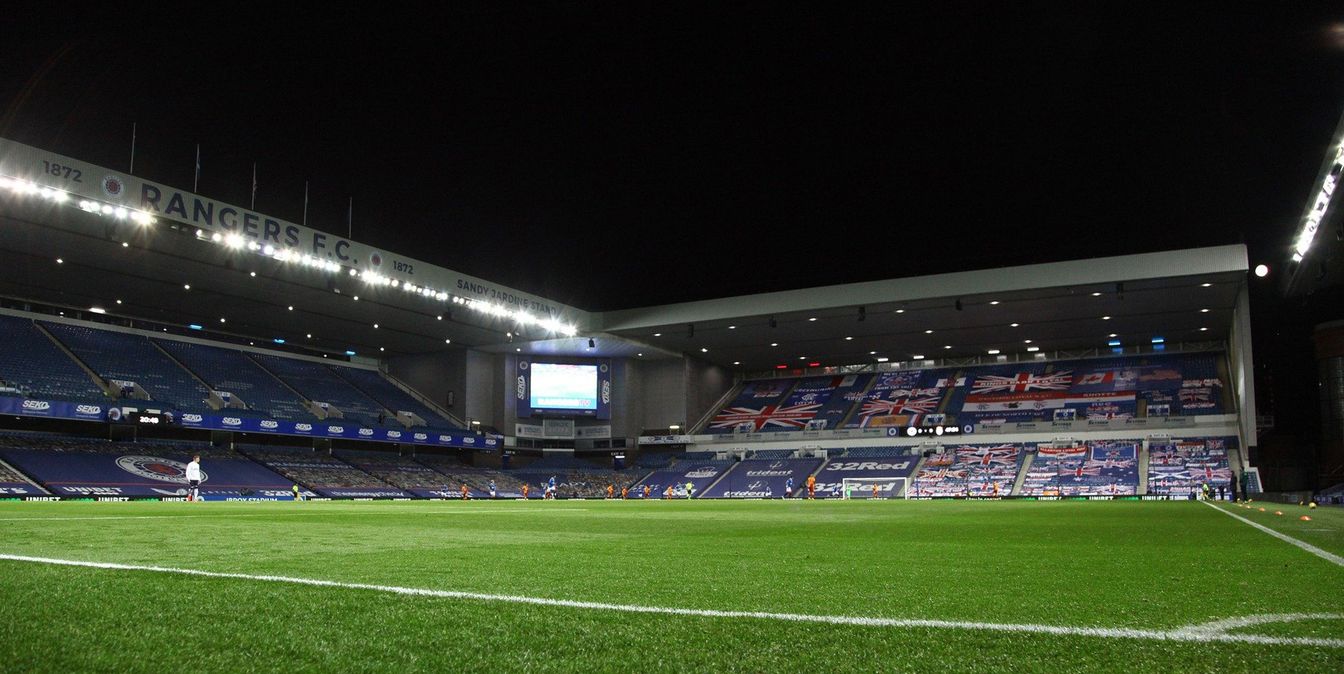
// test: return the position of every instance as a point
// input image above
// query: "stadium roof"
(1175, 296)
(64, 257)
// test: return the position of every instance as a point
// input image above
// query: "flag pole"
(132, 169)
(195, 182)
(350, 221)
(305, 203)
(254, 186)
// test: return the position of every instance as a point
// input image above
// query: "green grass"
(1144, 565)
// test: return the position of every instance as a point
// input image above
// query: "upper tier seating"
(390, 396)
(127, 357)
(231, 371)
(1152, 385)
(320, 384)
(30, 362)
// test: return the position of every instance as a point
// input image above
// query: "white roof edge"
(1142, 266)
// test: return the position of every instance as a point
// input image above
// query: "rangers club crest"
(156, 468)
(375, 259)
(113, 186)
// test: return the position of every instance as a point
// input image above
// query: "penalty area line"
(1323, 554)
(1196, 633)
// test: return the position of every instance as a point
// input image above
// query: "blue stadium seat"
(123, 356)
(30, 362)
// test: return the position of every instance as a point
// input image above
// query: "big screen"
(564, 387)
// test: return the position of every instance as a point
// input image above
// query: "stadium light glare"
(1261, 270)
(234, 241)
(1205, 285)
(278, 340)
(1113, 335)
(349, 352)
(125, 244)
(1203, 311)
(60, 260)
(1113, 342)
(1033, 349)
(106, 209)
(1105, 318)
(993, 352)
(947, 346)
(252, 274)
(704, 350)
(917, 356)
(1159, 340)
(882, 359)
(1013, 325)
(1026, 341)
(993, 302)
(1320, 203)
(1203, 329)
(196, 326)
(186, 286)
(774, 343)
(928, 332)
(216, 237)
(97, 310)
(849, 339)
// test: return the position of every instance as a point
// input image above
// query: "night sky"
(617, 156)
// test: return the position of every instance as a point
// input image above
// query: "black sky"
(623, 155)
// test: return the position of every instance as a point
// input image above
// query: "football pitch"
(758, 586)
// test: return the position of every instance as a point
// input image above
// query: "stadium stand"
(399, 471)
(93, 467)
(326, 475)
(389, 396)
(1097, 468)
(317, 383)
(455, 474)
(699, 472)
(119, 356)
(900, 398)
(763, 478)
(830, 479)
(1151, 385)
(969, 470)
(30, 362)
(229, 370)
(757, 406)
(1178, 469)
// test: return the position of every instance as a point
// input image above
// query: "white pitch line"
(1323, 554)
(1208, 633)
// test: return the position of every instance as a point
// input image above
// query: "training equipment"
(862, 487)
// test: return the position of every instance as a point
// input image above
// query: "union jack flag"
(791, 416)
(1210, 472)
(1023, 382)
(1164, 455)
(1081, 471)
(899, 406)
(985, 456)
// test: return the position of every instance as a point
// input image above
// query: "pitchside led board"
(564, 388)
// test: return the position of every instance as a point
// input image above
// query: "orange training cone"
(1278, 512)
(1262, 510)
(1304, 518)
